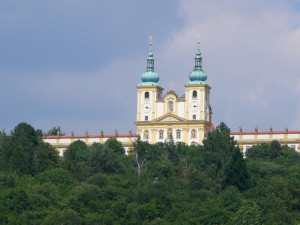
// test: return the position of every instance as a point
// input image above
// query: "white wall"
(248, 137)
(181, 109)
(263, 136)
(93, 140)
(278, 136)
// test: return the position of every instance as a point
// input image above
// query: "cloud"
(81, 71)
(251, 55)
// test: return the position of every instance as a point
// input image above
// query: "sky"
(76, 64)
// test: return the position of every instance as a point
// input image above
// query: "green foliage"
(55, 131)
(75, 157)
(157, 184)
(266, 151)
(46, 157)
(24, 152)
(103, 159)
(236, 172)
(115, 145)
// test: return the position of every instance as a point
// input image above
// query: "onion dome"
(197, 76)
(150, 77)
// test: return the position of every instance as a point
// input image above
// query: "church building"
(186, 118)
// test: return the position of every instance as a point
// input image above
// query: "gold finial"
(171, 86)
(150, 39)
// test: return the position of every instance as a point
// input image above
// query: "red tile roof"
(266, 132)
(90, 136)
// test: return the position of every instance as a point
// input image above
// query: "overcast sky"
(76, 64)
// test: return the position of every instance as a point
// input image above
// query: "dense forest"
(156, 184)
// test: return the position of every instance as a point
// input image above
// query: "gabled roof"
(169, 117)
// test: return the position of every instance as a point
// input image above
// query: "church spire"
(197, 76)
(150, 59)
(198, 58)
(150, 77)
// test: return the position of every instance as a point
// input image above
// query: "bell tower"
(185, 118)
(197, 93)
(148, 92)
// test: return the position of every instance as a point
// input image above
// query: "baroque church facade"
(187, 118)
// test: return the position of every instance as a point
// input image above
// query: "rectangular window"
(178, 134)
(161, 134)
(194, 117)
(293, 147)
(146, 118)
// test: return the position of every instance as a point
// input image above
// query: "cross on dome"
(150, 77)
(150, 41)
(197, 76)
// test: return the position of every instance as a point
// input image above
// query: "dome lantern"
(150, 77)
(197, 76)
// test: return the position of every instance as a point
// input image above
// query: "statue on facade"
(170, 106)
(170, 133)
(193, 134)
(146, 134)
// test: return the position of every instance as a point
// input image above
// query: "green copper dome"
(197, 76)
(150, 77)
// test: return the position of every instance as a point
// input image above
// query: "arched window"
(146, 134)
(194, 94)
(161, 134)
(146, 94)
(178, 134)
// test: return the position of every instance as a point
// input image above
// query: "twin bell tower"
(165, 117)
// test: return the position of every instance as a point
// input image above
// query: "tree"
(103, 159)
(236, 172)
(219, 146)
(75, 158)
(270, 151)
(55, 131)
(140, 149)
(115, 145)
(46, 157)
(23, 145)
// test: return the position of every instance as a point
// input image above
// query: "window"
(194, 94)
(194, 117)
(146, 94)
(194, 143)
(178, 134)
(146, 134)
(293, 147)
(161, 134)
(146, 118)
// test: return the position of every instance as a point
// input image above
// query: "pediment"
(169, 118)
